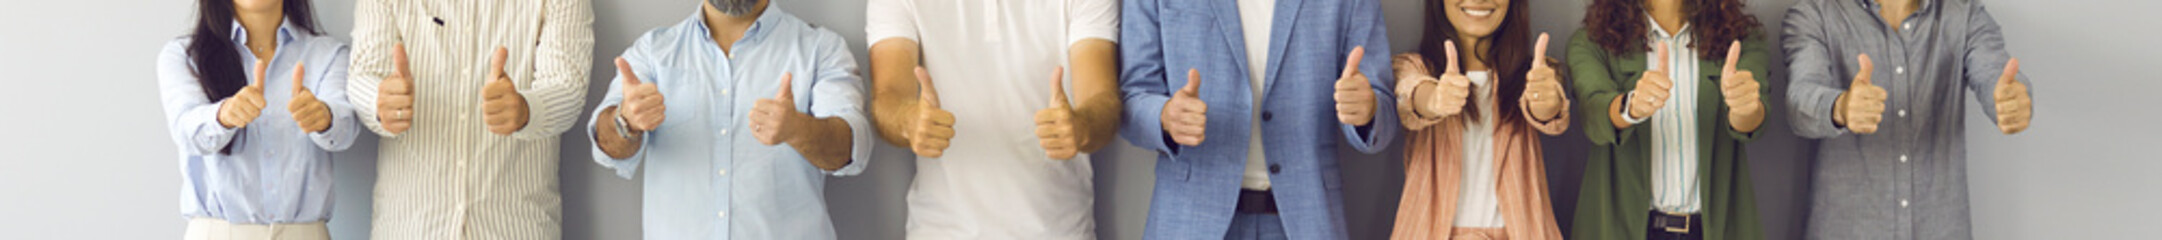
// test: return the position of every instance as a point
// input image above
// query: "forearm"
(1095, 72)
(616, 145)
(893, 88)
(825, 143)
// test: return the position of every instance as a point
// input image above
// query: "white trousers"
(219, 229)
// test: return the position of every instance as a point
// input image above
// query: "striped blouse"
(448, 177)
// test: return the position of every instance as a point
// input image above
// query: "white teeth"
(1478, 13)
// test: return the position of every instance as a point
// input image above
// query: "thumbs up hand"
(1653, 88)
(1542, 88)
(642, 104)
(394, 95)
(312, 115)
(1055, 124)
(1862, 106)
(774, 120)
(1354, 97)
(241, 108)
(504, 109)
(2014, 107)
(1448, 97)
(1185, 117)
(1745, 109)
(934, 126)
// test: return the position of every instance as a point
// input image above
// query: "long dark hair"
(211, 48)
(1507, 54)
(1618, 25)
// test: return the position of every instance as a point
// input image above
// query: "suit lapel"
(1280, 26)
(1227, 22)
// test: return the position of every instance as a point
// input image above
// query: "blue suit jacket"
(1309, 43)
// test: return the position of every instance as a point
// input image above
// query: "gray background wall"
(93, 161)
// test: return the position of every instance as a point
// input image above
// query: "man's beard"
(734, 7)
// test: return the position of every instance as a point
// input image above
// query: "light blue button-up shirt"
(706, 176)
(276, 172)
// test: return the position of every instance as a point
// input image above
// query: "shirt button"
(1899, 70)
(1902, 158)
(1902, 203)
(724, 131)
(722, 172)
(724, 91)
(1903, 113)
(720, 214)
(462, 116)
(1907, 26)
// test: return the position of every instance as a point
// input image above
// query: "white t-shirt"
(1254, 19)
(988, 59)
(1477, 205)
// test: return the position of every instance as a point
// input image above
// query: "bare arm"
(1097, 106)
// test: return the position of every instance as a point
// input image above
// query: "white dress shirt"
(1254, 18)
(988, 58)
(1674, 133)
(448, 177)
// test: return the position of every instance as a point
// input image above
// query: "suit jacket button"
(1274, 168)
(1265, 116)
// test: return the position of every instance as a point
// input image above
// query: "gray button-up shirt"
(1908, 180)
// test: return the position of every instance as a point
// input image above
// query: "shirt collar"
(285, 32)
(1927, 6)
(1659, 31)
(768, 17)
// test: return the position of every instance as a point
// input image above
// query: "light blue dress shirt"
(276, 172)
(706, 176)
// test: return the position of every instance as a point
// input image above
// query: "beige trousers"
(219, 229)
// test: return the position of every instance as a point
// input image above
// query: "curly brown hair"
(1618, 25)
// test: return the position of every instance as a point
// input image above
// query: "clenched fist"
(1653, 88)
(312, 115)
(1185, 117)
(642, 105)
(504, 109)
(934, 127)
(1745, 107)
(1542, 88)
(241, 108)
(394, 95)
(1354, 97)
(775, 120)
(1055, 124)
(1862, 106)
(2014, 107)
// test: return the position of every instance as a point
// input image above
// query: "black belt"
(1251, 201)
(1675, 226)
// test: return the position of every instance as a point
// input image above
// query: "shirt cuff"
(1633, 120)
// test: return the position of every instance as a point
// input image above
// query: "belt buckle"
(1682, 228)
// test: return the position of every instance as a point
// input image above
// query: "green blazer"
(1615, 200)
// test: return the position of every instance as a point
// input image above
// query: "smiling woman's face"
(1475, 18)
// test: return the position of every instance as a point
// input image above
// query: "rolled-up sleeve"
(1092, 19)
(330, 89)
(375, 30)
(889, 19)
(624, 167)
(558, 90)
(1813, 72)
(189, 114)
(837, 92)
